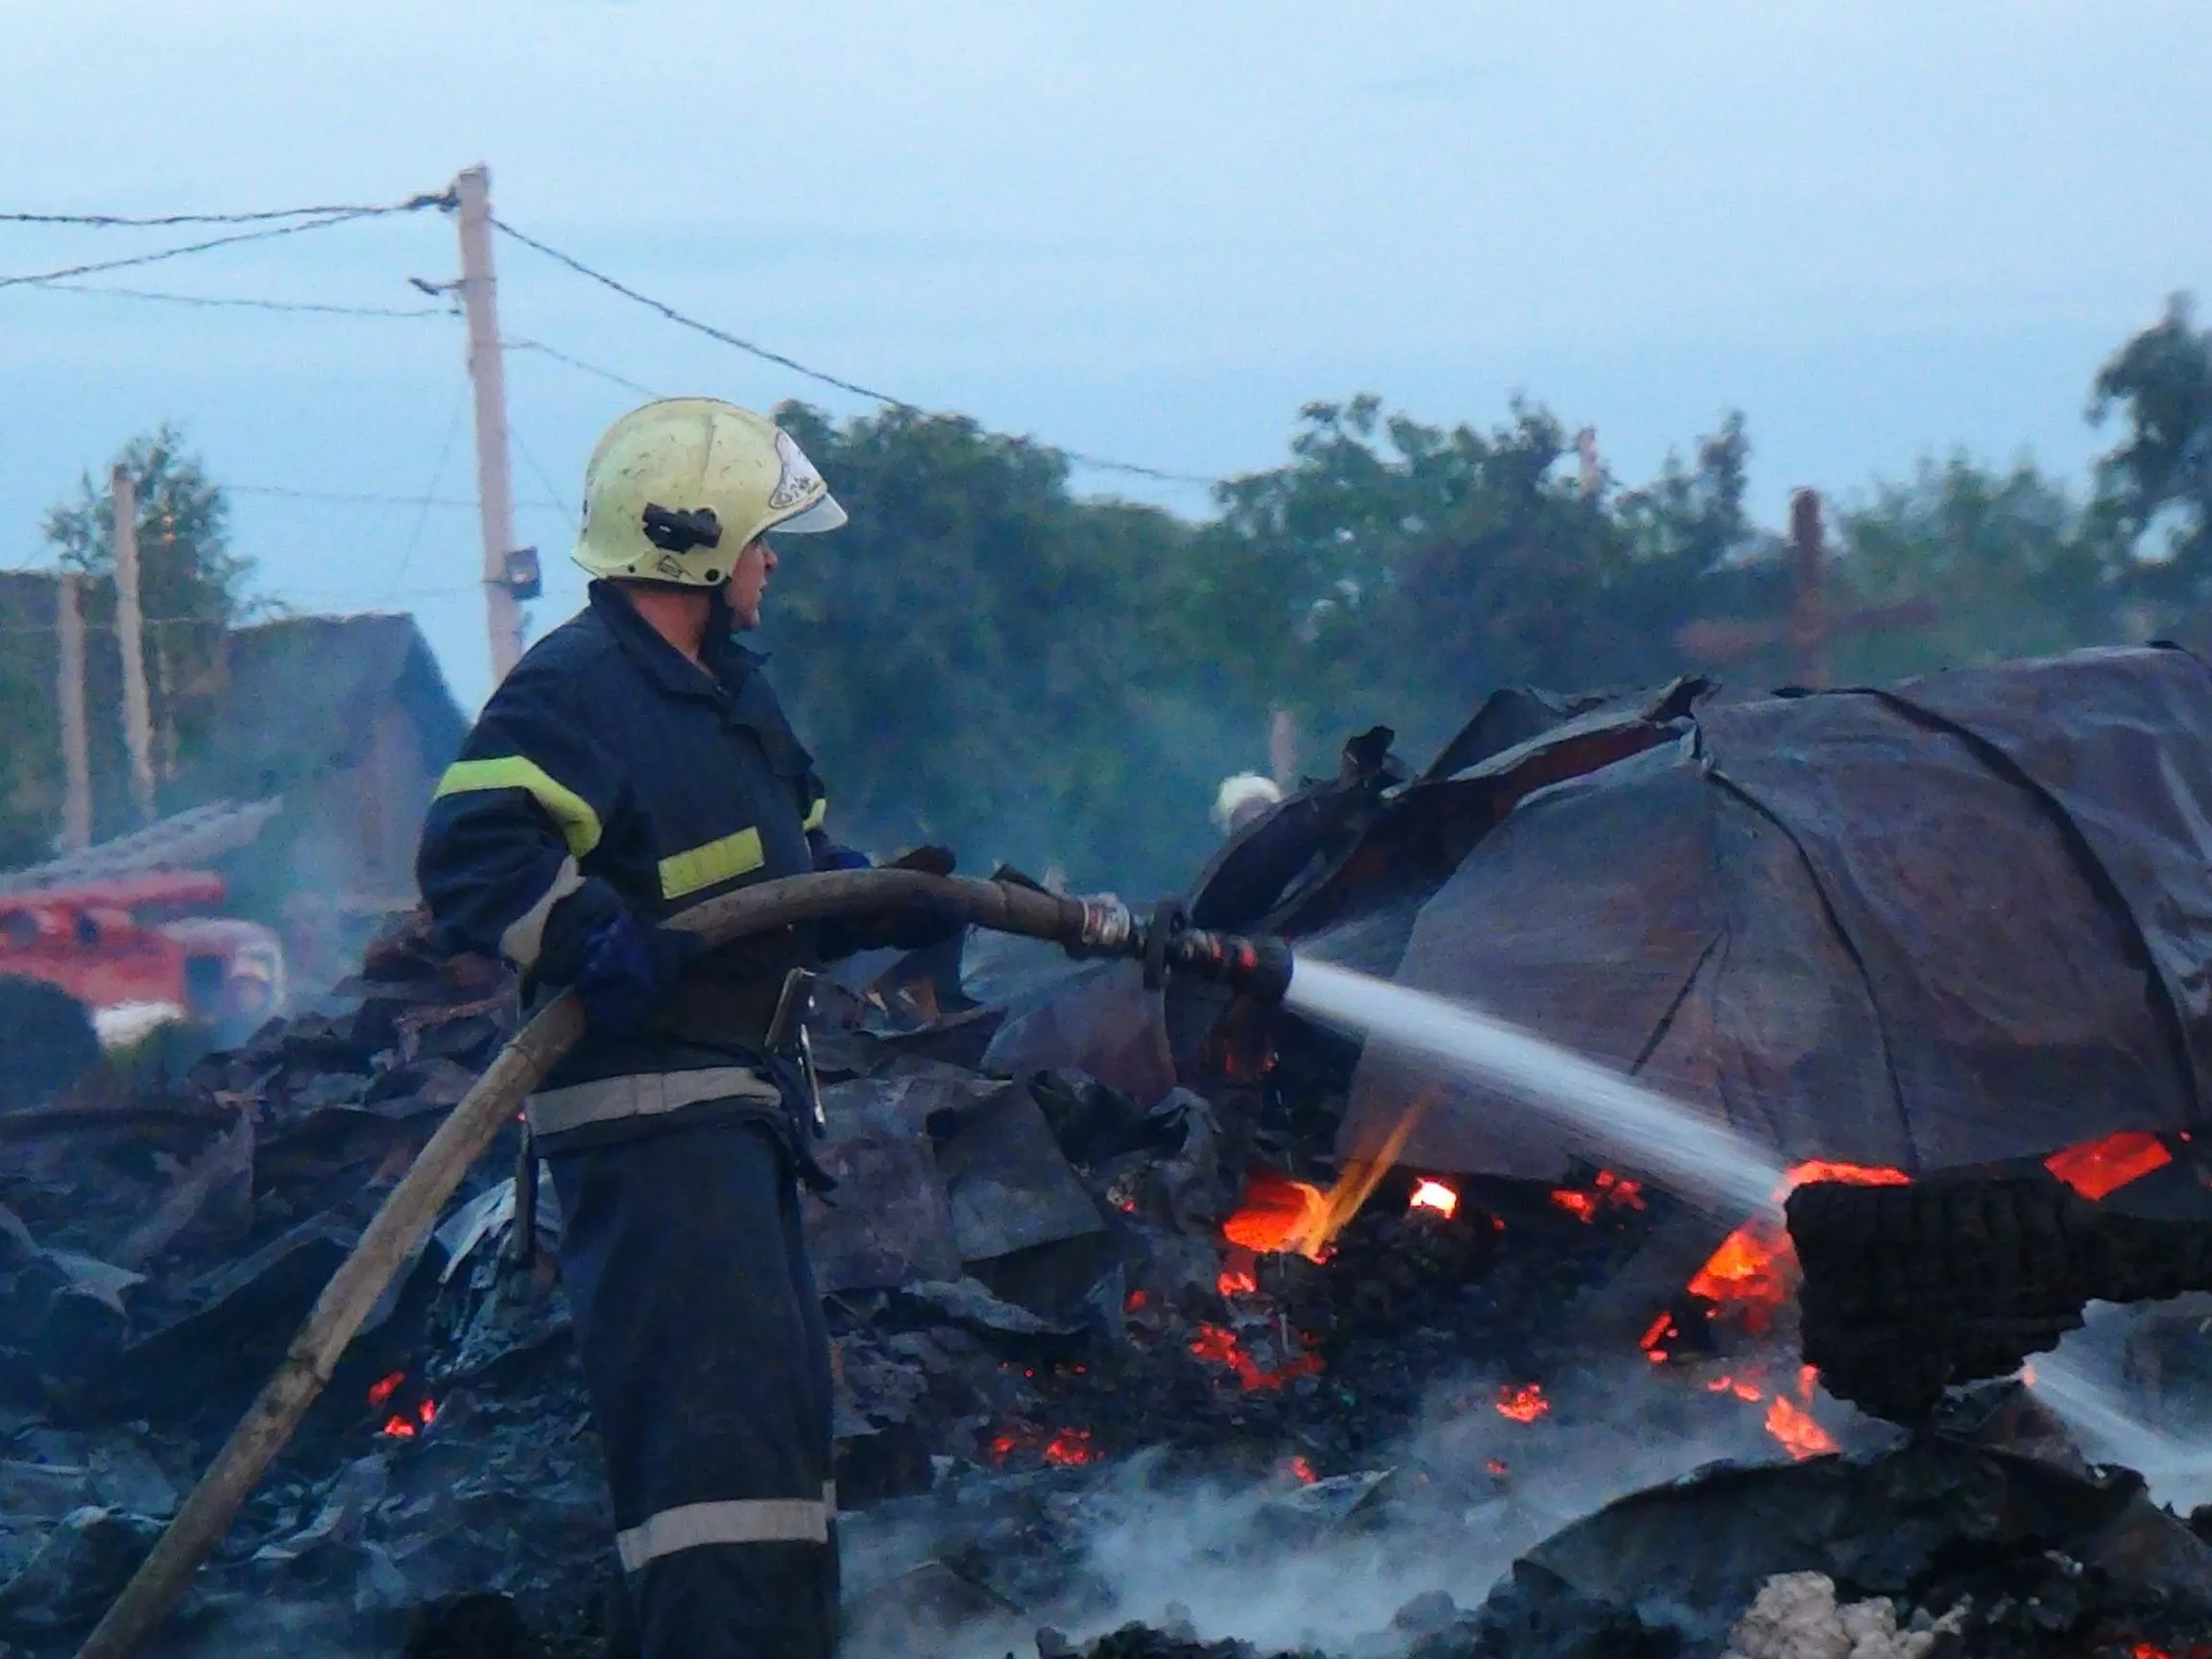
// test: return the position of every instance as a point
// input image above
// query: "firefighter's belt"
(645, 1094)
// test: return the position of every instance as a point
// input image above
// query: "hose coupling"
(1108, 927)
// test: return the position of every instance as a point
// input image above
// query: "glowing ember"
(1496, 1466)
(1662, 1329)
(1434, 1196)
(1068, 1449)
(1522, 1402)
(1219, 1347)
(1606, 1189)
(1299, 1469)
(428, 1411)
(397, 1429)
(1620, 1189)
(1742, 1387)
(1237, 1281)
(2101, 1167)
(384, 1387)
(1800, 1436)
(1277, 1211)
(1136, 1301)
(1581, 1205)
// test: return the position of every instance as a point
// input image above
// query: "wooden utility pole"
(488, 375)
(1811, 627)
(69, 696)
(131, 643)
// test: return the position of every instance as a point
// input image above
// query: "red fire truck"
(119, 958)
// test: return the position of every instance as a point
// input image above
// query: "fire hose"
(1101, 927)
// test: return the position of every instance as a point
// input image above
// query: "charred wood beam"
(1909, 1291)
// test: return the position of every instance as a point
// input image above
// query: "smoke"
(1329, 1564)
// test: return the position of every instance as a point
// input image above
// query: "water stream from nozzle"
(1596, 1105)
(1652, 1132)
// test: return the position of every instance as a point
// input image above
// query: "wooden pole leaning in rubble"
(411, 1208)
(131, 643)
(69, 696)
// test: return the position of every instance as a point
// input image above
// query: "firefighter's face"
(749, 581)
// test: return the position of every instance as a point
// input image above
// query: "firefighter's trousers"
(703, 1348)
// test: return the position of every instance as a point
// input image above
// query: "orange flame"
(1522, 1402)
(1755, 1269)
(1277, 1213)
(1434, 1196)
(1219, 1347)
(1800, 1436)
(2097, 1168)
(1280, 1214)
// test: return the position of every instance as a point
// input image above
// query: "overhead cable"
(348, 497)
(544, 350)
(1098, 462)
(423, 517)
(125, 221)
(292, 227)
(247, 301)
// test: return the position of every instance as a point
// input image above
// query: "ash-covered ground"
(1087, 1400)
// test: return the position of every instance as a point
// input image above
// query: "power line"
(544, 350)
(111, 221)
(542, 479)
(370, 497)
(294, 227)
(246, 302)
(423, 517)
(1098, 462)
(348, 497)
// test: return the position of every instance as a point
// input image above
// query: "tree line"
(986, 659)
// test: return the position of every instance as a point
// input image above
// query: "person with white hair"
(1242, 799)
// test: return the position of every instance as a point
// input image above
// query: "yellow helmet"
(678, 489)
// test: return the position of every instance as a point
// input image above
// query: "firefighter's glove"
(629, 968)
(914, 928)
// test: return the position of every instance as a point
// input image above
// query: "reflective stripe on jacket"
(607, 770)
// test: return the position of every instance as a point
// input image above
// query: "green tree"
(2154, 487)
(2011, 563)
(976, 657)
(192, 587)
(1396, 572)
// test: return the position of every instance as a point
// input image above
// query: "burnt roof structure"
(1959, 920)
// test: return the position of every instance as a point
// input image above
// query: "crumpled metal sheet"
(1959, 922)
(1009, 1184)
(888, 1222)
(1102, 1022)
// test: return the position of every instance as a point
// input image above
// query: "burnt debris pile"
(1166, 1309)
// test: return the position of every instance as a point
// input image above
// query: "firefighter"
(636, 762)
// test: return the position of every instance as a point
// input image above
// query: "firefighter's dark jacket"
(607, 770)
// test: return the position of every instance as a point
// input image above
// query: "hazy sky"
(1146, 230)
